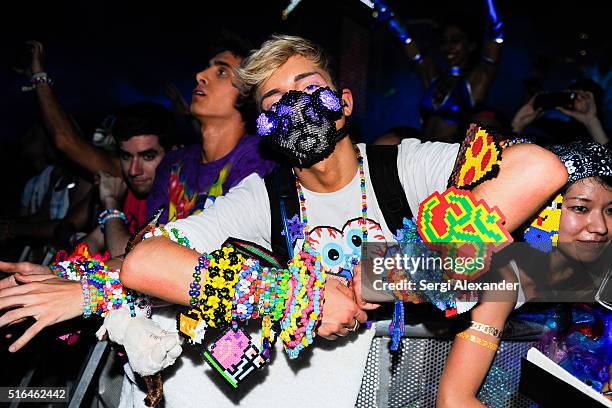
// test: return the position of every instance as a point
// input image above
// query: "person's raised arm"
(426, 66)
(525, 116)
(64, 134)
(481, 77)
(528, 176)
(585, 112)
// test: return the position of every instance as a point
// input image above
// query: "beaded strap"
(514, 141)
(222, 275)
(101, 286)
(110, 214)
(305, 303)
(195, 286)
(173, 234)
(66, 270)
(227, 288)
(260, 292)
(86, 299)
(104, 288)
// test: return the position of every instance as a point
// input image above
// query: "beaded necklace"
(364, 200)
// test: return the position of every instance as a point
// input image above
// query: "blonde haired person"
(334, 180)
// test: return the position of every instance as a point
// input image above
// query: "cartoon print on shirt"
(341, 249)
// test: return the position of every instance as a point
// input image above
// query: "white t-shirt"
(330, 372)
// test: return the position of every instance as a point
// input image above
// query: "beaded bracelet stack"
(261, 292)
(102, 289)
(108, 215)
(229, 288)
(306, 302)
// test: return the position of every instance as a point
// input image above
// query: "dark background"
(105, 54)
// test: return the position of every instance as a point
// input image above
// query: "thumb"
(363, 305)
(368, 306)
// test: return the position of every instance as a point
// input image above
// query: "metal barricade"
(410, 376)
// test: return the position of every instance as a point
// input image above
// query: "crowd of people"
(164, 242)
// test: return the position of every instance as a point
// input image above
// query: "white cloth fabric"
(330, 373)
(36, 190)
(149, 348)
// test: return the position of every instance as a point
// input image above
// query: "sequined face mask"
(302, 126)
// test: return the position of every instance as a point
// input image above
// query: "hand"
(356, 286)
(46, 298)
(525, 116)
(37, 57)
(585, 109)
(112, 189)
(20, 268)
(340, 311)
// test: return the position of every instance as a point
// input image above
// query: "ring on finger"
(354, 327)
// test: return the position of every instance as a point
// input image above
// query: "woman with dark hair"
(578, 224)
(452, 90)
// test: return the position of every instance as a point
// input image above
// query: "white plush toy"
(149, 348)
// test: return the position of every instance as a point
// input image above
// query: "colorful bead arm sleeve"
(229, 288)
(102, 289)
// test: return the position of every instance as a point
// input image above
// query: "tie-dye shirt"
(185, 186)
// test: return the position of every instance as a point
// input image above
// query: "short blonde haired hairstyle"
(261, 63)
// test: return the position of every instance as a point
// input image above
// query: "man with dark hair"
(145, 118)
(189, 179)
(143, 132)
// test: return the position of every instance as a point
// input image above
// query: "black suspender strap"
(382, 163)
(284, 203)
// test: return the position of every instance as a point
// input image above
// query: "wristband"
(36, 80)
(475, 339)
(486, 329)
(110, 214)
